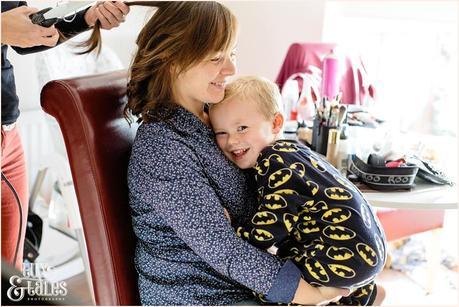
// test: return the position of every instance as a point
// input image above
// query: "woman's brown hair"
(179, 34)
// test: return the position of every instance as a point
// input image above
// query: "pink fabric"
(354, 82)
(13, 166)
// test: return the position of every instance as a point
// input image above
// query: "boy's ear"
(278, 122)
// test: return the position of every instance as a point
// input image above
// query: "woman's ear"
(278, 122)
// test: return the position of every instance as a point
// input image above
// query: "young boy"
(307, 210)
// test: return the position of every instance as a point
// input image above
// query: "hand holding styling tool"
(49, 16)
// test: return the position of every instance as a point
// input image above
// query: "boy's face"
(242, 130)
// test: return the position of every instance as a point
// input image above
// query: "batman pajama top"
(310, 213)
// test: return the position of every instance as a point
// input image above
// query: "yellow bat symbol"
(285, 147)
(367, 254)
(264, 218)
(336, 193)
(336, 215)
(308, 227)
(262, 235)
(274, 202)
(289, 221)
(319, 206)
(313, 187)
(318, 165)
(299, 168)
(342, 270)
(279, 177)
(339, 253)
(339, 233)
(316, 270)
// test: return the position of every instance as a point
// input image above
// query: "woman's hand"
(110, 14)
(308, 295)
(227, 214)
(19, 31)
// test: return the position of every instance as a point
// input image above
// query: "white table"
(423, 196)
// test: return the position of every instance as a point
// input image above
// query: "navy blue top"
(187, 252)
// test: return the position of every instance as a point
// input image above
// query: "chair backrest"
(98, 140)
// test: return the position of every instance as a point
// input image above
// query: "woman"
(180, 182)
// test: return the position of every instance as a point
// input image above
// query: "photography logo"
(34, 287)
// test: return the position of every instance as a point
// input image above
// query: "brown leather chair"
(98, 140)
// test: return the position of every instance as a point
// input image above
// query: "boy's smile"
(242, 130)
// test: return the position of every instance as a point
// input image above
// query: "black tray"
(383, 178)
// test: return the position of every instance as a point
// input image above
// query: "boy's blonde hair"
(262, 91)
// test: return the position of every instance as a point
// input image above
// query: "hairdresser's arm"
(164, 185)
(82, 21)
(110, 14)
(19, 31)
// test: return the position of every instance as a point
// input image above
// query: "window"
(410, 51)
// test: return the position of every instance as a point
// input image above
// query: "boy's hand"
(309, 295)
(330, 294)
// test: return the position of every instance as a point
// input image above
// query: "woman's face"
(205, 81)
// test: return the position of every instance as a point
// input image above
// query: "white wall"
(267, 28)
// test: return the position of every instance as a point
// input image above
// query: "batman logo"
(380, 247)
(336, 215)
(297, 235)
(274, 202)
(263, 166)
(261, 191)
(339, 233)
(344, 182)
(241, 233)
(319, 206)
(367, 254)
(294, 251)
(299, 168)
(308, 227)
(306, 217)
(361, 292)
(286, 192)
(317, 164)
(264, 218)
(261, 235)
(316, 270)
(289, 221)
(285, 147)
(339, 253)
(366, 216)
(308, 204)
(298, 258)
(279, 177)
(336, 193)
(342, 270)
(313, 187)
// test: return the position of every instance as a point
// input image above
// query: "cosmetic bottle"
(333, 146)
